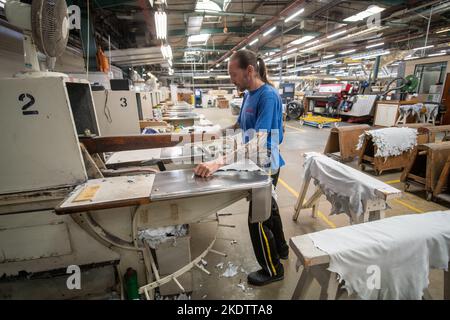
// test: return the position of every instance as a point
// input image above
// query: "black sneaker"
(284, 254)
(262, 277)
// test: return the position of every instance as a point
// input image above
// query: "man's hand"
(206, 169)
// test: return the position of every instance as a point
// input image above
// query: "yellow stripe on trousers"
(268, 249)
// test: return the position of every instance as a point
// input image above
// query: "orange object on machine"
(102, 60)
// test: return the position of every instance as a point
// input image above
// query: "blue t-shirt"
(262, 110)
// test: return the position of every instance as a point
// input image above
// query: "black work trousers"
(268, 238)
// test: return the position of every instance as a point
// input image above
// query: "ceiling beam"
(283, 13)
(235, 30)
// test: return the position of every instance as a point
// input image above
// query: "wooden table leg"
(303, 285)
(333, 286)
(447, 283)
(301, 199)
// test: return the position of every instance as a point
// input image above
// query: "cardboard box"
(222, 103)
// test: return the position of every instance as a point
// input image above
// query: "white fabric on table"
(404, 248)
(346, 188)
(391, 141)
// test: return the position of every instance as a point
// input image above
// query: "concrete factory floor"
(239, 252)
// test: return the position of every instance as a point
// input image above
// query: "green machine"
(408, 85)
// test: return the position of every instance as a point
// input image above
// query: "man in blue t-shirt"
(260, 116)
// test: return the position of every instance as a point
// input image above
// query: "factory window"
(430, 74)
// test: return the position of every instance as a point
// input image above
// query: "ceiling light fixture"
(269, 31)
(375, 45)
(253, 42)
(336, 34)
(199, 38)
(301, 40)
(294, 15)
(444, 30)
(311, 43)
(291, 50)
(371, 10)
(348, 51)
(438, 54)
(161, 25)
(426, 47)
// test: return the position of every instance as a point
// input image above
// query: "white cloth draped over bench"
(347, 189)
(402, 248)
(391, 141)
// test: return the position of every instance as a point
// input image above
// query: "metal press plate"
(183, 183)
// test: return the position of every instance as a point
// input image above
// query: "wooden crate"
(425, 167)
(222, 103)
(380, 164)
(344, 141)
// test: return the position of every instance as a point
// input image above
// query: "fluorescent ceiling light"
(348, 51)
(301, 40)
(166, 51)
(437, 54)
(354, 64)
(223, 77)
(426, 47)
(336, 34)
(330, 79)
(311, 43)
(375, 45)
(290, 66)
(364, 14)
(410, 58)
(291, 50)
(207, 6)
(161, 25)
(328, 56)
(269, 31)
(294, 15)
(201, 77)
(253, 42)
(199, 38)
(444, 30)
(226, 3)
(394, 64)
(371, 54)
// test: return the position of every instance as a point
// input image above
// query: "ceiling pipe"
(386, 15)
(264, 27)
